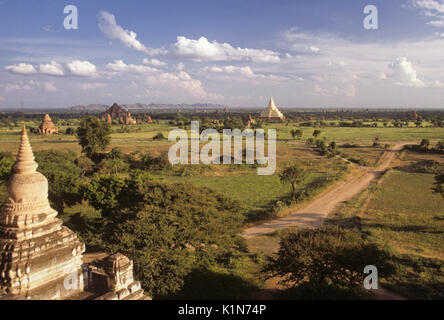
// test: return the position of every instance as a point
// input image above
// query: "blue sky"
(236, 52)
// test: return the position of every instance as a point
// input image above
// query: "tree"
(159, 136)
(324, 261)
(69, 131)
(316, 133)
(93, 135)
(103, 193)
(424, 144)
(296, 133)
(6, 164)
(376, 142)
(63, 177)
(439, 146)
(85, 164)
(293, 175)
(439, 184)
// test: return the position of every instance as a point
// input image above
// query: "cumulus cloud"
(21, 68)
(120, 66)
(404, 74)
(110, 28)
(244, 71)
(154, 62)
(52, 68)
(203, 50)
(81, 68)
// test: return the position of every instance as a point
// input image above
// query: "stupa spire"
(25, 163)
(271, 104)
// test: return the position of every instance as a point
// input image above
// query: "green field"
(257, 194)
(141, 136)
(402, 215)
(366, 135)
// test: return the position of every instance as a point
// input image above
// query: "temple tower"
(272, 112)
(39, 258)
(47, 126)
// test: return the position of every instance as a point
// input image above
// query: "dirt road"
(314, 214)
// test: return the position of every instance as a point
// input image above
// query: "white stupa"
(272, 112)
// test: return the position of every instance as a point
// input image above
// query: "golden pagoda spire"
(25, 163)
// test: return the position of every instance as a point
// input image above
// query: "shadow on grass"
(417, 277)
(204, 284)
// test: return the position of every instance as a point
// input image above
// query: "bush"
(156, 163)
(159, 136)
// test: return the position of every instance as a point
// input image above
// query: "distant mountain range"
(142, 106)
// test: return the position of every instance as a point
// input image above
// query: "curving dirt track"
(314, 214)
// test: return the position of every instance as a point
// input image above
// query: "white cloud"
(243, 71)
(162, 84)
(1, 98)
(433, 9)
(120, 66)
(154, 62)
(21, 68)
(404, 74)
(308, 49)
(81, 68)
(52, 68)
(432, 5)
(110, 28)
(203, 50)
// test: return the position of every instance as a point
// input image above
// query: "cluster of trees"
(169, 230)
(425, 146)
(322, 146)
(228, 122)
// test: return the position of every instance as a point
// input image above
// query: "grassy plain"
(401, 214)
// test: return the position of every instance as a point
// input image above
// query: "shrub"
(159, 136)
